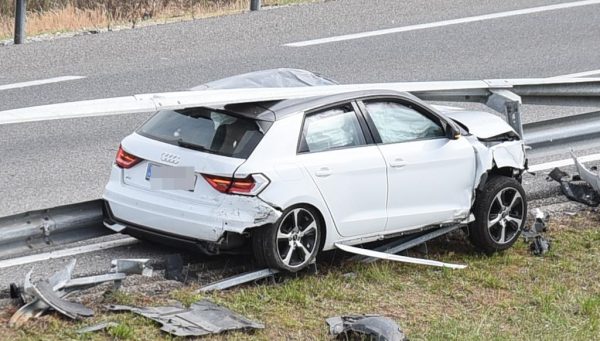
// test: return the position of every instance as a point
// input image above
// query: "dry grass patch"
(70, 17)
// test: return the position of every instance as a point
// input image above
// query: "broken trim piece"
(397, 258)
(239, 279)
(587, 175)
(365, 327)
(201, 318)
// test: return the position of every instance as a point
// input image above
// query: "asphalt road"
(45, 164)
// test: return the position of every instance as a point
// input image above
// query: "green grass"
(512, 295)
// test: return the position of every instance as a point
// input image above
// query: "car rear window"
(206, 130)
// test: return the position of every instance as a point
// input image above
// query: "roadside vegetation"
(54, 16)
(512, 295)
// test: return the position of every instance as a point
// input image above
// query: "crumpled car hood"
(481, 124)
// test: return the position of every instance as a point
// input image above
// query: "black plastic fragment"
(365, 327)
(575, 189)
(174, 267)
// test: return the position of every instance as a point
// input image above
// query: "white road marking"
(444, 23)
(7, 263)
(579, 74)
(562, 163)
(39, 82)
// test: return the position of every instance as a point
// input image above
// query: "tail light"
(126, 160)
(250, 185)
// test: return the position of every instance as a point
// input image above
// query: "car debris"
(131, 266)
(397, 258)
(201, 318)
(51, 293)
(574, 188)
(174, 268)
(539, 243)
(239, 279)
(361, 327)
(97, 327)
(408, 242)
(593, 179)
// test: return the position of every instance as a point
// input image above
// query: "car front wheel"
(500, 211)
(291, 243)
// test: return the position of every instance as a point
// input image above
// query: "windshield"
(206, 130)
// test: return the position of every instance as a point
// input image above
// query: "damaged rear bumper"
(144, 214)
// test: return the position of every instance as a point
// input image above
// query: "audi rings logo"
(170, 158)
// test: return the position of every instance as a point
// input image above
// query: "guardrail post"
(254, 5)
(20, 21)
(507, 102)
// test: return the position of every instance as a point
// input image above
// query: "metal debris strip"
(239, 280)
(201, 318)
(534, 235)
(575, 189)
(97, 327)
(43, 295)
(131, 266)
(360, 327)
(397, 258)
(408, 242)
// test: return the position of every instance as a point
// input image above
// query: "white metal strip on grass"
(397, 258)
(562, 163)
(444, 23)
(7, 263)
(39, 82)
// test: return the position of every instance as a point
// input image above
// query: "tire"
(500, 212)
(291, 243)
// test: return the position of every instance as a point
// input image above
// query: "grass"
(71, 18)
(512, 295)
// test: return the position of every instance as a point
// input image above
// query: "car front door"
(430, 175)
(337, 151)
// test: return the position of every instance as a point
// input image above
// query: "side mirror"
(452, 132)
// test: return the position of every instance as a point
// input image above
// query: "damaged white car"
(291, 178)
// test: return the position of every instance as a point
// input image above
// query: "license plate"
(171, 178)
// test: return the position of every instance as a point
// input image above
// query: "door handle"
(323, 172)
(398, 163)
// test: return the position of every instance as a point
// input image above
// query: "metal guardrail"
(51, 227)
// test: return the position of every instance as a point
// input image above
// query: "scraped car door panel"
(350, 174)
(430, 177)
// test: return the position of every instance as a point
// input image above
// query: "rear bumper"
(134, 210)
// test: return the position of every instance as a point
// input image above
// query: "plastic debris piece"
(534, 235)
(43, 290)
(174, 267)
(201, 318)
(361, 327)
(575, 189)
(97, 327)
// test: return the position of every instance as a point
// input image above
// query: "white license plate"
(170, 178)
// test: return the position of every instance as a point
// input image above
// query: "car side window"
(331, 129)
(396, 122)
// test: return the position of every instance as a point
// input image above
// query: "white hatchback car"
(293, 177)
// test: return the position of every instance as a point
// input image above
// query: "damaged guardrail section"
(54, 226)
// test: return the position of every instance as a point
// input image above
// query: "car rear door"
(336, 150)
(430, 176)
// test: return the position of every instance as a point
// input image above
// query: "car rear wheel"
(500, 211)
(292, 243)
